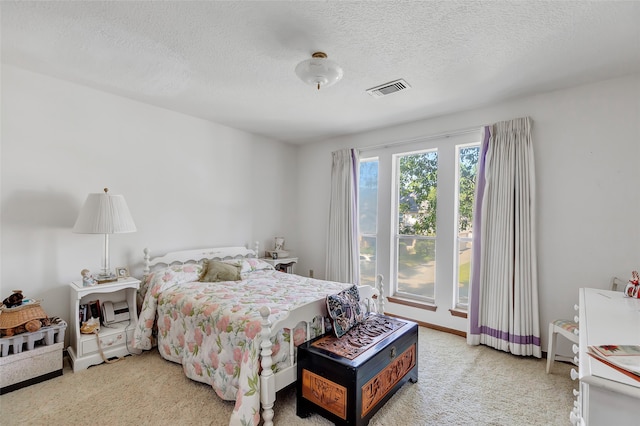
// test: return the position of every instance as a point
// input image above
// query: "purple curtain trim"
(504, 335)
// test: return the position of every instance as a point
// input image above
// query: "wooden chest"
(348, 379)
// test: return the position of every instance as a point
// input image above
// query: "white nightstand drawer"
(108, 339)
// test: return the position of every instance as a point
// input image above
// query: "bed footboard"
(267, 379)
(271, 383)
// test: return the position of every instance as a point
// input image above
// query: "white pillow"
(250, 264)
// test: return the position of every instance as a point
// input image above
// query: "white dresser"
(606, 396)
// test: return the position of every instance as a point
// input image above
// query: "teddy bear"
(29, 326)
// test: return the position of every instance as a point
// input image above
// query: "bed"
(239, 336)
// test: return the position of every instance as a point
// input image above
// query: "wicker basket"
(13, 317)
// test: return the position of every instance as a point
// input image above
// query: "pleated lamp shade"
(104, 214)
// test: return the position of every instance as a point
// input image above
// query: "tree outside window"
(467, 176)
(368, 212)
(417, 206)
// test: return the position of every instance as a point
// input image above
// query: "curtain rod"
(424, 138)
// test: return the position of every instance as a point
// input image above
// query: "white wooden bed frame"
(270, 383)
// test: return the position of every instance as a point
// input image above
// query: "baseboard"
(431, 326)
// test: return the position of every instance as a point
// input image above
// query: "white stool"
(568, 329)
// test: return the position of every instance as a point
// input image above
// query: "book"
(94, 309)
(624, 358)
(618, 350)
(81, 313)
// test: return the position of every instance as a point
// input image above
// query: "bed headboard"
(197, 255)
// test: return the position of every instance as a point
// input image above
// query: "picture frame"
(122, 272)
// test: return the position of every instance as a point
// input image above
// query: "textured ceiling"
(233, 62)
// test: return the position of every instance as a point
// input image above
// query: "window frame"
(456, 258)
(395, 234)
(443, 312)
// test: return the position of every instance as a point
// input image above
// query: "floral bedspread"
(213, 329)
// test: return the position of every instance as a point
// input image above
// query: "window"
(368, 220)
(467, 172)
(419, 237)
(415, 230)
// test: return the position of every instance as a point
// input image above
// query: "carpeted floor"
(458, 385)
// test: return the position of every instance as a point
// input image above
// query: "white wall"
(189, 183)
(587, 148)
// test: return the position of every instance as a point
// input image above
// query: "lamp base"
(102, 279)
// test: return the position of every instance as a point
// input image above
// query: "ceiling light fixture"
(319, 71)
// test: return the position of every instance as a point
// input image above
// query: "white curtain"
(342, 242)
(503, 305)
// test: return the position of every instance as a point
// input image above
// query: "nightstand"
(115, 339)
(283, 265)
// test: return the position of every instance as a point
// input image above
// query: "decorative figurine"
(633, 287)
(87, 278)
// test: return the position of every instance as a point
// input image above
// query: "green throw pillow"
(215, 271)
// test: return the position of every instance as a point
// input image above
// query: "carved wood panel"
(361, 337)
(376, 388)
(325, 393)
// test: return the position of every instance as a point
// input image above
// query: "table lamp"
(103, 213)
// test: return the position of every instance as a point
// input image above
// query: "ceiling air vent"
(388, 88)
